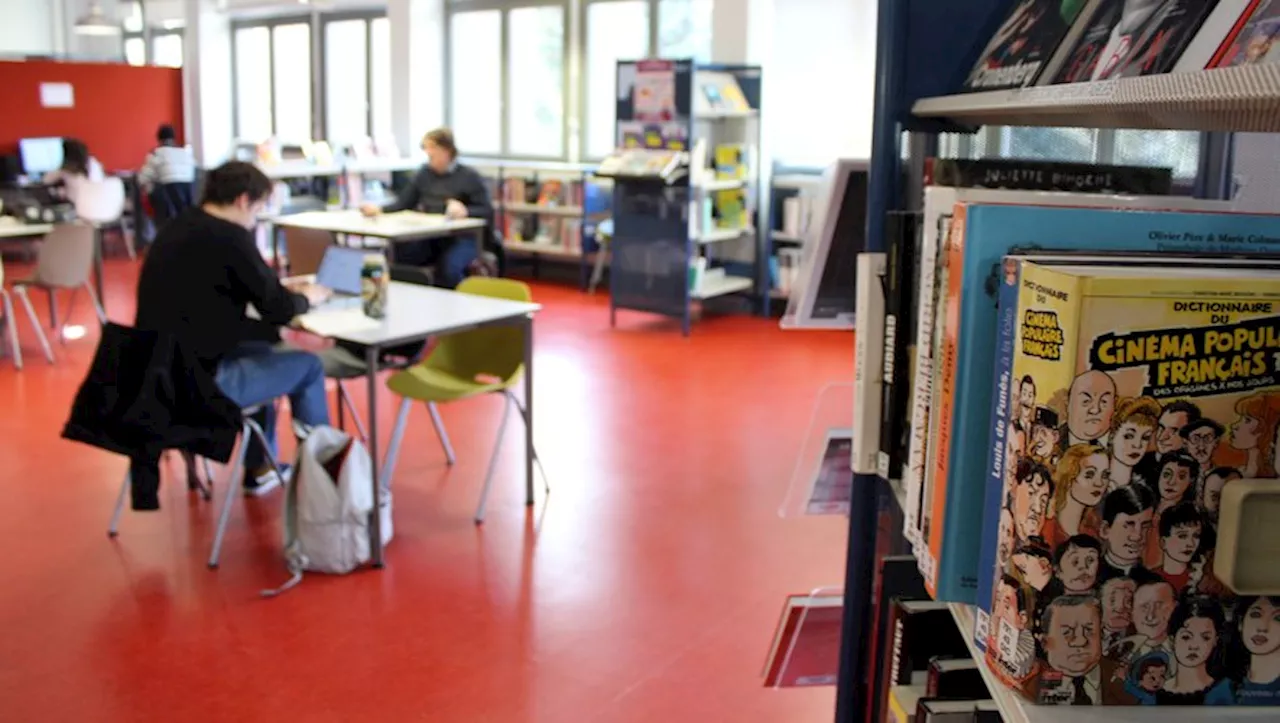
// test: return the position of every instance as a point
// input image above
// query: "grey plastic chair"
(64, 261)
(8, 322)
(250, 429)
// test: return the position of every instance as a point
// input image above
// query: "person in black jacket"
(197, 283)
(442, 186)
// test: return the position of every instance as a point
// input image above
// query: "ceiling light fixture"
(96, 22)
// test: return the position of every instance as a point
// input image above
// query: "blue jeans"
(449, 256)
(258, 373)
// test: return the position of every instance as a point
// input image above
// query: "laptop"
(339, 271)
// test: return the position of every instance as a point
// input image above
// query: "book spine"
(941, 587)
(868, 347)
(992, 502)
(913, 472)
(897, 349)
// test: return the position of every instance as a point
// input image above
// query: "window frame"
(148, 38)
(584, 99)
(312, 21)
(322, 104)
(504, 8)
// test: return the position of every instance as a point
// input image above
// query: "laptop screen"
(340, 270)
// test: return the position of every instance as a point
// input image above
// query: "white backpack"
(326, 520)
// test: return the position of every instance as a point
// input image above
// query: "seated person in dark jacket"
(201, 275)
(442, 186)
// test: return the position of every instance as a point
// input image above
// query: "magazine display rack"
(915, 93)
(682, 240)
(820, 482)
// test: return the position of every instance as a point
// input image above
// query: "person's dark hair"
(443, 137)
(75, 156)
(1154, 659)
(233, 179)
(166, 135)
(1084, 542)
(1046, 417)
(1026, 379)
(1210, 609)
(1028, 468)
(1183, 513)
(1201, 423)
(1035, 546)
(1182, 458)
(1019, 594)
(1131, 499)
(1225, 473)
(1191, 410)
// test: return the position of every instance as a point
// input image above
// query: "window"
(535, 72)
(166, 50)
(1179, 150)
(135, 51)
(291, 81)
(380, 77)
(253, 85)
(475, 79)
(616, 30)
(684, 29)
(346, 81)
(272, 63)
(1050, 144)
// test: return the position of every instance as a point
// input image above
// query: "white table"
(24, 230)
(415, 313)
(391, 227)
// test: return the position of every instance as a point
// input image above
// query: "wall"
(27, 26)
(117, 107)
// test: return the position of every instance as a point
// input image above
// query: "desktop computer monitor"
(40, 155)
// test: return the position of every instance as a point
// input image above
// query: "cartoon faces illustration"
(1090, 404)
(1258, 619)
(1026, 403)
(1045, 435)
(1126, 523)
(1079, 482)
(1133, 428)
(1180, 531)
(1072, 637)
(1117, 606)
(1076, 563)
(1147, 676)
(1031, 490)
(1196, 628)
(1015, 447)
(1254, 432)
(1210, 495)
(1173, 419)
(1153, 601)
(1200, 440)
(1007, 539)
(1033, 563)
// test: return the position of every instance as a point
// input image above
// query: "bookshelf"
(549, 211)
(791, 209)
(915, 94)
(678, 245)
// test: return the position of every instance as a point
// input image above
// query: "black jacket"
(429, 192)
(146, 393)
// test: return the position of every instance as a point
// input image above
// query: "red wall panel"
(117, 107)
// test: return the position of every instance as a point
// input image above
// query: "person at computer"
(78, 166)
(444, 186)
(168, 176)
(201, 275)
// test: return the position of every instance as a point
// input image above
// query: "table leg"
(375, 522)
(97, 269)
(528, 410)
(275, 249)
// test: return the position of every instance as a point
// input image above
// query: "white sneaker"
(267, 480)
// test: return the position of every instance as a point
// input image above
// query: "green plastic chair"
(464, 365)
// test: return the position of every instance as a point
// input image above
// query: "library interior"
(310, 235)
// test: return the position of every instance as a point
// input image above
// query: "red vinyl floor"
(644, 589)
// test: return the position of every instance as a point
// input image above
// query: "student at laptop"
(442, 186)
(203, 271)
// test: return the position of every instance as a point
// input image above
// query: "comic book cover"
(1163, 387)
(1128, 38)
(1254, 40)
(1019, 50)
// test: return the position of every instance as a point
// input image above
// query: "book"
(868, 361)
(1167, 380)
(1127, 38)
(806, 646)
(1215, 35)
(922, 630)
(902, 702)
(897, 578)
(731, 161)
(1021, 175)
(1023, 44)
(832, 485)
(926, 476)
(1253, 40)
(955, 678)
(931, 710)
(898, 371)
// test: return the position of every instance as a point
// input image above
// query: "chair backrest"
(496, 352)
(65, 257)
(305, 249)
(100, 201)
